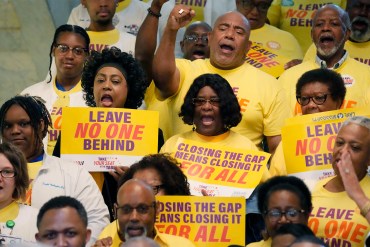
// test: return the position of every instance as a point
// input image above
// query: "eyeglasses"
(7, 173)
(141, 208)
(261, 7)
(318, 100)
(202, 101)
(156, 188)
(291, 214)
(78, 51)
(194, 38)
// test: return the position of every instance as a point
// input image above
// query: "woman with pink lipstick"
(331, 204)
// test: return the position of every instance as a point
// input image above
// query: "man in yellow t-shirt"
(281, 43)
(136, 212)
(296, 17)
(358, 45)
(331, 29)
(101, 30)
(262, 100)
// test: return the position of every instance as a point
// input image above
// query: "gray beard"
(328, 54)
(361, 36)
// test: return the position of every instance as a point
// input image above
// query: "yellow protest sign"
(101, 138)
(220, 170)
(207, 221)
(308, 143)
(266, 59)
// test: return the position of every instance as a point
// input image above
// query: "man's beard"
(332, 51)
(361, 35)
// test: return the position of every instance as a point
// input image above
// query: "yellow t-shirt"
(295, 16)
(336, 218)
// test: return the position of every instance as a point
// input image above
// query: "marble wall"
(26, 32)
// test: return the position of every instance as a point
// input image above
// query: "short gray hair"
(344, 17)
(360, 120)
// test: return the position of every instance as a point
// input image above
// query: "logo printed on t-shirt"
(349, 81)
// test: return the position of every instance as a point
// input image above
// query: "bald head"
(229, 41)
(137, 187)
(136, 210)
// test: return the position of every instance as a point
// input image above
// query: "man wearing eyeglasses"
(136, 211)
(331, 29)
(195, 42)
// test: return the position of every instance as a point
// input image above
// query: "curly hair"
(174, 180)
(328, 77)
(229, 106)
(288, 183)
(135, 78)
(36, 111)
(71, 29)
(19, 163)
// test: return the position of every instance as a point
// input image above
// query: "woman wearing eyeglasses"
(69, 50)
(317, 90)
(212, 108)
(17, 221)
(282, 200)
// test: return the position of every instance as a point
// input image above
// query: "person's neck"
(100, 28)
(34, 156)
(68, 83)
(6, 203)
(331, 61)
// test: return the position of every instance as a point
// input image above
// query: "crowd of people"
(187, 61)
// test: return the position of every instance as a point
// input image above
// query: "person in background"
(282, 200)
(62, 221)
(351, 148)
(296, 17)
(282, 43)
(128, 18)
(16, 220)
(358, 44)
(136, 211)
(160, 171)
(68, 53)
(317, 90)
(287, 233)
(331, 28)
(24, 121)
(265, 109)
(101, 30)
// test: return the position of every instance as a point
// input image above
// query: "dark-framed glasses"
(261, 7)
(318, 100)
(203, 101)
(157, 188)
(291, 214)
(7, 173)
(78, 51)
(194, 38)
(140, 209)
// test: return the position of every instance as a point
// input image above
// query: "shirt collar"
(323, 65)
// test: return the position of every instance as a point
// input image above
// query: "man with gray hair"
(330, 30)
(140, 242)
